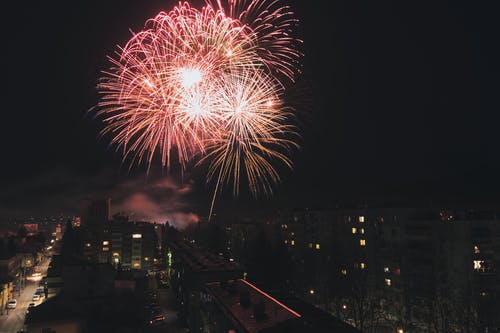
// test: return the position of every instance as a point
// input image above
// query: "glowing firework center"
(189, 77)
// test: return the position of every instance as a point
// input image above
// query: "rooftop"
(228, 295)
(196, 259)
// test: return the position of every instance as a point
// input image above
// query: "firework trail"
(273, 27)
(206, 84)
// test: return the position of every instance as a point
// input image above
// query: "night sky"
(401, 108)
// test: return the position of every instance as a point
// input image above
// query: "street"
(168, 303)
(13, 319)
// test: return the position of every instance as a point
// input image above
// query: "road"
(168, 303)
(14, 320)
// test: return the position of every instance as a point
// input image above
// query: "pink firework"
(146, 90)
(273, 28)
(206, 84)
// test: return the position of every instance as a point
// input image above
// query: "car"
(154, 305)
(40, 290)
(37, 276)
(12, 304)
(157, 320)
(36, 297)
(30, 306)
(155, 311)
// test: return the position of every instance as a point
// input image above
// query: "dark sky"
(402, 105)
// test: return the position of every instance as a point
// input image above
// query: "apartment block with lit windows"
(408, 256)
(133, 245)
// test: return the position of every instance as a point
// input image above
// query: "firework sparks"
(254, 132)
(272, 27)
(206, 84)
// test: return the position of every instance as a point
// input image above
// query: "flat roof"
(198, 259)
(228, 295)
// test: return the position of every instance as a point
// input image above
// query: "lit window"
(292, 242)
(105, 243)
(388, 282)
(87, 245)
(311, 291)
(310, 245)
(361, 219)
(136, 235)
(353, 230)
(476, 249)
(136, 264)
(105, 249)
(362, 242)
(146, 258)
(317, 246)
(115, 254)
(293, 233)
(286, 241)
(362, 231)
(362, 265)
(343, 271)
(478, 265)
(386, 269)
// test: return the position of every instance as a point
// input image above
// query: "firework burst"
(206, 84)
(254, 129)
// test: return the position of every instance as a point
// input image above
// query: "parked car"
(157, 320)
(12, 304)
(155, 311)
(36, 297)
(30, 306)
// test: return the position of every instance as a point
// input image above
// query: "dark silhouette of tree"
(40, 238)
(216, 238)
(71, 242)
(22, 232)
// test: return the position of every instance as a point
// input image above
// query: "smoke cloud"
(162, 200)
(59, 192)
